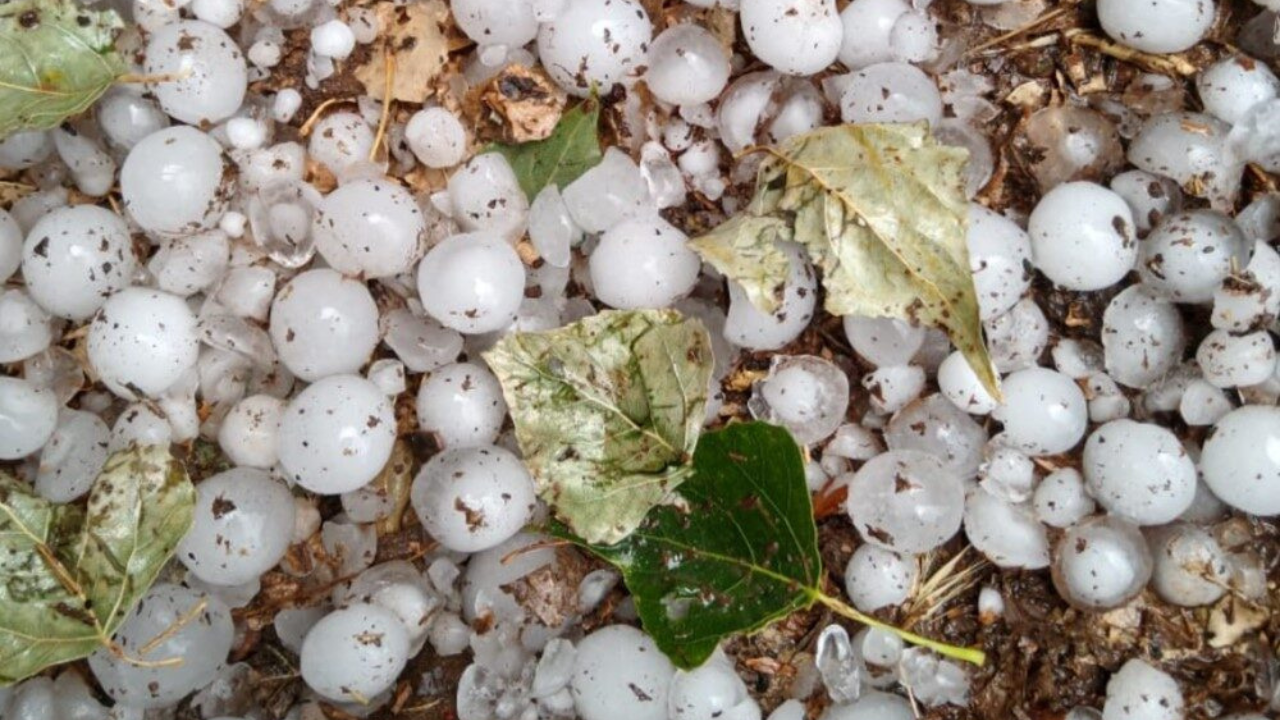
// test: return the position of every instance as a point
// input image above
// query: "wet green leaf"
(607, 412)
(69, 577)
(572, 149)
(56, 58)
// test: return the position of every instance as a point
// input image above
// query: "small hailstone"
(323, 324)
(661, 175)
(853, 442)
(1082, 236)
(999, 254)
(219, 13)
(245, 133)
(1139, 471)
(233, 224)
(462, 404)
(210, 76)
(1151, 198)
(1008, 534)
(891, 388)
(486, 195)
(421, 343)
(804, 393)
(619, 672)
(789, 710)
(1101, 563)
(890, 92)
(838, 665)
(25, 328)
(266, 54)
(914, 37)
(1191, 149)
(906, 501)
(1239, 462)
(75, 257)
(1107, 401)
(236, 535)
(59, 370)
(551, 229)
(388, 375)
(490, 23)
(1188, 255)
(1077, 359)
(795, 37)
(1236, 360)
(285, 104)
(959, 384)
(873, 705)
(340, 142)
(202, 640)
(589, 45)
(935, 426)
(436, 137)
(174, 182)
(1044, 412)
(707, 692)
(489, 575)
(73, 456)
(138, 423)
(687, 65)
(142, 341)
(10, 245)
(473, 498)
(472, 283)
(931, 680)
(608, 193)
(1245, 300)
(1008, 473)
(595, 587)
(643, 262)
(738, 117)
(1142, 337)
(247, 292)
(92, 169)
(1159, 26)
(1017, 339)
(354, 545)
(1191, 569)
(336, 435)
(373, 644)
(1061, 499)
(1139, 691)
(877, 578)
(370, 229)
(397, 586)
(1069, 142)
(249, 432)
(868, 31)
(333, 39)
(883, 341)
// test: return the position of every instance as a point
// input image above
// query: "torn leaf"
(745, 250)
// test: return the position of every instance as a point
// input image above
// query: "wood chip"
(526, 101)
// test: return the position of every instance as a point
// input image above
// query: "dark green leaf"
(572, 149)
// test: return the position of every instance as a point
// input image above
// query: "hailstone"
(473, 498)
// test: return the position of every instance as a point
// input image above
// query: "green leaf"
(56, 58)
(738, 551)
(745, 250)
(572, 149)
(68, 578)
(607, 412)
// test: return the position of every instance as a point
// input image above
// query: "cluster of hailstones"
(230, 299)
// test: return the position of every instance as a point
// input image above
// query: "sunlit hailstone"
(1082, 236)
(372, 645)
(201, 641)
(795, 37)
(591, 45)
(323, 324)
(906, 501)
(877, 578)
(369, 229)
(1141, 692)
(687, 65)
(174, 182)
(472, 283)
(237, 534)
(462, 404)
(1139, 471)
(1189, 254)
(73, 457)
(474, 498)
(619, 672)
(142, 341)
(204, 72)
(75, 257)
(1240, 461)
(1044, 411)
(336, 435)
(1101, 564)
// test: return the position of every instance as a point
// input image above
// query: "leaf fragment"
(68, 577)
(572, 149)
(745, 249)
(607, 412)
(415, 33)
(56, 59)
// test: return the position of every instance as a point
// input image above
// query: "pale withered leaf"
(68, 578)
(56, 58)
(607, 412)
(745, 250)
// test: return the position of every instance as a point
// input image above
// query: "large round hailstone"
(10, 245)
(1139, 691)
(591, 45)
(1191, 149)
(486, 195)
(877, 578)
(174, 182)
(1139, 471)
(643, 263)
(961, 385)
(934, 425)
(207, 76)
(370, 229)
(462, 404)
(337, 434)
(249, 433)
(872, 705)
(472, 283)
(324, 324)
(868, 31)
(890, 93)
(1191, 568)
(794, 37)
(1044, 411)
(883, 341)
(746, 326)
(687, 65)
(1150, 197)
(1187, 256)
(1009, 535)
(1101, 564)
(142, 341)
(1241, 460)
(1232, 86)
(237, 534)
(471, 499)
(355, 653)
(73, 457)
(1082, 236)
(25, 327)
(508, 23)
(75, 257)
(805, 394)
(201, 639)
(1156, 26)
(1142, 337)
(999, 255)
(905, 501)
(620, 673)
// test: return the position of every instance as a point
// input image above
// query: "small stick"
(1001, 39)
(305, 130)
(1159, 63)
(389, 70)
(177, 625)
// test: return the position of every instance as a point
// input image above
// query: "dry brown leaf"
(415, 33)
(526, 100)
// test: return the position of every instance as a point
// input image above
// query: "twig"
(174, 627)
(389, 74)
(1168, 64)
(305, 130)
(1001, 39)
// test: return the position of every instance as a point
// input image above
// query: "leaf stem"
(970, 655)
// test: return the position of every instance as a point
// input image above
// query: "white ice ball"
(473, 498)
(687, 65)
(883, 341)
(804, 393)
(1232, 86)
(369, 229)
(1044, 412)
(25, 328)
(323, 324)
(590, 45)
(75, 257)
(485, 195)
(890, 92)
(1241, 460)
(341, 141)
(28, 416)
(1229, 361)
(333, 39)
(643, 263)
(142, 341)
(462, 404)
(73, 457)
(436, 136)
(354, 653)
(936, 426)
(872, 705)
(619, 672)
(1191, 149)
(138, 423)
(10, 245)
(1139, 471)
(1139, 691)
(1151, 198)
(960, 384)
(472, 283)
(237, 534)
(175, 182)
(1189, 254)
(999, 256)
(209, 75)
(876, 578)
(1101, 563)
(1008, 534)
(1191, 568)
(249, 433)
(1082, 236)
(187, 265)
(708, 692)
(1061, 499)
(795, 37)
(906, 501)
(1142, 337)
(509, 23)
(336, 435)
(868, 31)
